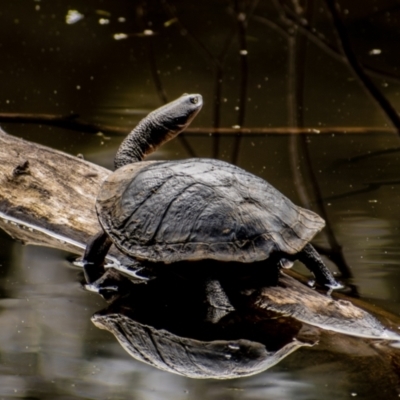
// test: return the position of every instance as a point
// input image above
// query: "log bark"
(47, 198)
(50, 192)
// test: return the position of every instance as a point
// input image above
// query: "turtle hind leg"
(95, 253)
(312, 260)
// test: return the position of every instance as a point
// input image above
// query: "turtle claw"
(334, 285)
(285, 263)
(329, 286)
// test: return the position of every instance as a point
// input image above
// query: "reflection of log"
(47, 197)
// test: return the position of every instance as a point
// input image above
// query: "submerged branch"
(74, 123)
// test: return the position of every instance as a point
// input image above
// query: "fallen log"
(47, 198)
(51, 190)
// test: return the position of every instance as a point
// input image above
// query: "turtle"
(197, 208)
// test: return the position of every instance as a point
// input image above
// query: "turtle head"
(157, 128)
(178, 114)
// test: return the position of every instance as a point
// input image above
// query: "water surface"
(49, 348)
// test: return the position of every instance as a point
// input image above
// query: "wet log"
(51, 192)
(47, 198)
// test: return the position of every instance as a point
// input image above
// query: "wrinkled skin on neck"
(157, 128)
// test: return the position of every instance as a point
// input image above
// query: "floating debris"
(120, 36)
(375, 52)
(73, 16)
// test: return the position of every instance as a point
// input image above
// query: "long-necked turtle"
(195, 209)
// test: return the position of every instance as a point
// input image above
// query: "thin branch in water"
(370, 155)
(154, 71)
(370, 87)
(170, 11)
(294, 154)
(199, 45)
(282, 13)
(372, 187)
(217, 109)
(317, 38)
(272, 25)
(296, 63)
(311, 34)
(161, 91)
(242, 16)
(209, 56)
(71, 122)
(74, 123)
(297, 57)
(218, 62)
(292, 98)
(219, 75)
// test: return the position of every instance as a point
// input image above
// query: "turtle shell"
(169, 211)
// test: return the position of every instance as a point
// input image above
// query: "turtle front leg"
(312, 260)
(95, 254)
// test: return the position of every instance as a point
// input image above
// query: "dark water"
(49, 348)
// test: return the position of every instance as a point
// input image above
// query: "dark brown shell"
(200, 209)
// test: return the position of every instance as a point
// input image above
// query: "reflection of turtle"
(218, 359)
(195, 209)
(156, 327)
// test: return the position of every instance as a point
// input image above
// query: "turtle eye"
(194, 100)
